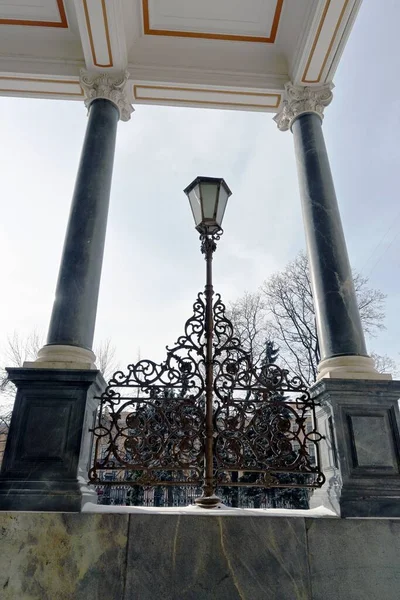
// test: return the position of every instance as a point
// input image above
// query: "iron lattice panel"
(152, 422)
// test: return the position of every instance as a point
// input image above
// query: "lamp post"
(208, 197)
(247, 425)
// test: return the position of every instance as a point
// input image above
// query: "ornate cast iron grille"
(206, 414)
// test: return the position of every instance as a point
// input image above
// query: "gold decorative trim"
(37, 80)
(321, 24)
(213, 36)
(90, 34)
(29, 23)
(212, 102)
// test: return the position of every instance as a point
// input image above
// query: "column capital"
(108, 87)
(299, 99)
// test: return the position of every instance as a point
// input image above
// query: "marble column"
(72, 323)
(340, 333)
(49, 445)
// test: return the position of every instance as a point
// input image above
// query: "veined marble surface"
(58, 556)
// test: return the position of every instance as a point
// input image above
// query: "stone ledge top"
(221, 510)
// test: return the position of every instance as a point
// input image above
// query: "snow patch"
(221, 509)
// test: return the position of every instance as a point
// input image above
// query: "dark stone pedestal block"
(48, 449)
(361, 453)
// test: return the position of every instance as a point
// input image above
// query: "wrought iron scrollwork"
(151, 426)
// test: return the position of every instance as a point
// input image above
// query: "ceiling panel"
(257, 20)
(50, 13)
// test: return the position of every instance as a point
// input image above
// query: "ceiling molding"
(330, 26)
(211, 97)
(101, 26)
(316, 57)
(100, 43)
(337, 52)
(270, 39)
(40, 87)
(46, 68)
(181, 76)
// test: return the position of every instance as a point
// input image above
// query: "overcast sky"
(153, 268)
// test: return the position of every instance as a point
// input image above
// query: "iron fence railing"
(160, 497)
(205, 414)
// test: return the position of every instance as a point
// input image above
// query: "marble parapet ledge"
(75, 556)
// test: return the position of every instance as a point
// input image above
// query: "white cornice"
(305, 42)
(34, 86)
(341, 43)
(22, 65)
(181, 75)
(323, 41)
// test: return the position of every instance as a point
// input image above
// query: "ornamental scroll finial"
(302, 99)
(209, 242)
(109, 87)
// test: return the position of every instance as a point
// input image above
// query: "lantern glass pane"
(194, 199)
(222, 201)
(209, 197)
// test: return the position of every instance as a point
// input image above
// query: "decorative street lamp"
(208, 197)
(207, 413)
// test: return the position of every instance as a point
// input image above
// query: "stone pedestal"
(49, 445)
(360, 456)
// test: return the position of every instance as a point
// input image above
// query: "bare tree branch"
(248, 315)
(106, 358)
(19, 349)
(385, 364)
(283, 309)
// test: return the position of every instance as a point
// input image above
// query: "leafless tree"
(283, 311)
(5, 419)
(370, 304)
(248, 316)
(385, 364)
(106, 358)
(290, 309)
(19, 349)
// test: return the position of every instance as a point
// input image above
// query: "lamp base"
(208, 501)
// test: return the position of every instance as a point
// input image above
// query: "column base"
(49, 445)
(55, 356)
(359, 456)
(350, 367)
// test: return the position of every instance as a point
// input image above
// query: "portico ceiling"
(215, 53)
